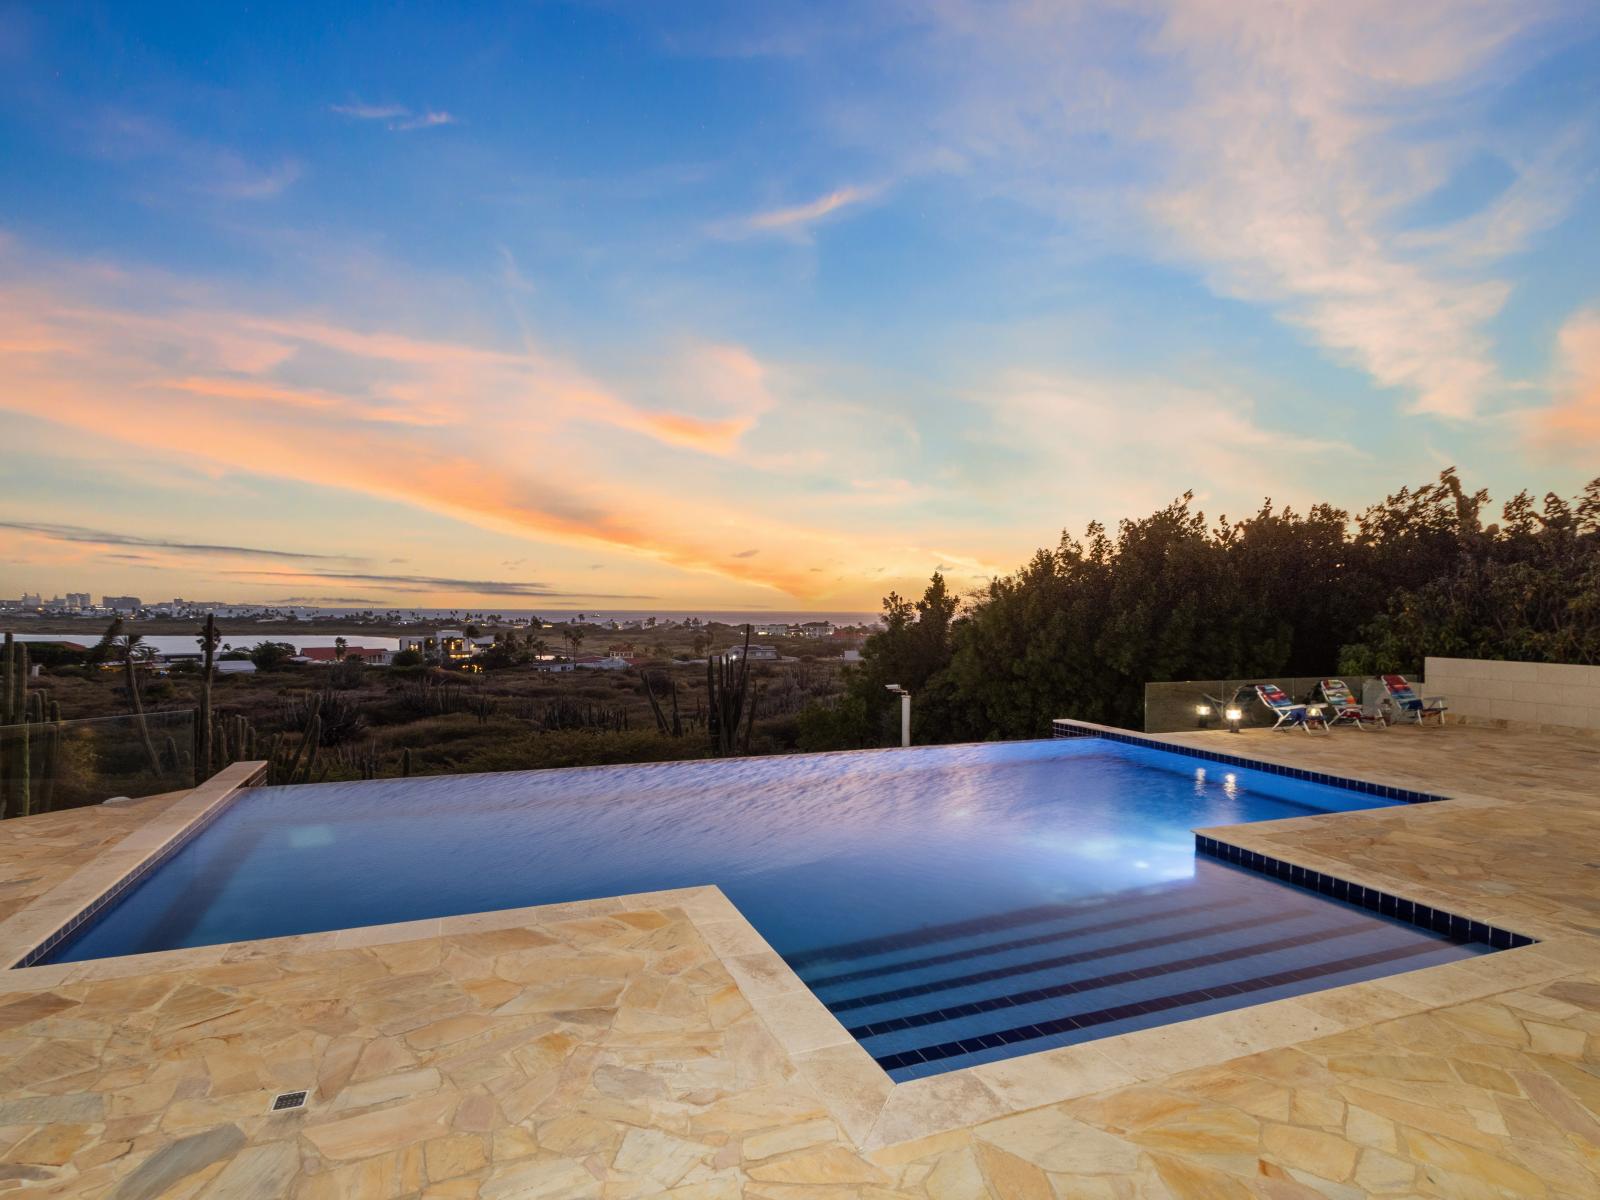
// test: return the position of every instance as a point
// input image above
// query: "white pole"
(905, 719)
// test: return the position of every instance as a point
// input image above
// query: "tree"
(339, 648)
(574, 639)
(1082, 627)
(271, 656)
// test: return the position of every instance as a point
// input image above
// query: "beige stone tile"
(763, 974)
(387, 1129)
(383, 935)
(850, 1085)
(730, 939)
(933, 1105)
(801, 1022)
(1051, 1076)
(160, 962)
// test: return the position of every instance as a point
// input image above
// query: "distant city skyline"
(752, 307)
(84, 604)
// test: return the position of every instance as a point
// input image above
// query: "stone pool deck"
(649, 1047)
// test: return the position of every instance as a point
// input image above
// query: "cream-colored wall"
(1480, 689)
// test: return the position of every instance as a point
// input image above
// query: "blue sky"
(746, 305)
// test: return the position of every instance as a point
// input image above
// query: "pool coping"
(31, 933)
(873, 1111)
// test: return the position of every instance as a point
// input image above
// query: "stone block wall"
(1552, 695)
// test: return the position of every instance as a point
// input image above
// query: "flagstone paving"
(617, 1054)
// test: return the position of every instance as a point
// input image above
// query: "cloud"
(798, 218)
(747, 553)
(512, 441)
(1570, 427)
(1105, 448)
(195, 165)
(434, 583)
(95, 537)
(370, 112)
(238, 180)
(1295, 151)
(399, 118)
(310, 398)
(428, 120)
(1282, 151)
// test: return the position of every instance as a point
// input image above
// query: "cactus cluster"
(30, 741)
(234, 738)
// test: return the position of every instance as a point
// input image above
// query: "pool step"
(1099, 980)
(1138, 918)
(1158, 941)
(1175, 896)
(1159, 1008)
(940, 997)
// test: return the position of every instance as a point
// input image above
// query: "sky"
(765, 306)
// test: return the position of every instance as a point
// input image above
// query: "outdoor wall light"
(905, 711)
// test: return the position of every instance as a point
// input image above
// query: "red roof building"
(328, 654)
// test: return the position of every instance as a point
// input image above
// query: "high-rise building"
(79, 601)
(31, 600)
(121, 603)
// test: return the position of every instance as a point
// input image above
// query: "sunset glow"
(765, 307)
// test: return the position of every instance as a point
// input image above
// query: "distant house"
(776, 629)
(375, 656)
(235, 666)
(553, 664)
(596, 662)
(816, 629)
(757, 654)
(445, 645)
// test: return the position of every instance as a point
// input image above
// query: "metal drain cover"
(289, 1100)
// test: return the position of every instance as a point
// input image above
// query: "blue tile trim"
(1065, 728)
(1401, 909)
(119, 890)
(1437, 920)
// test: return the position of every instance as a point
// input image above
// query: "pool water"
(951, 905)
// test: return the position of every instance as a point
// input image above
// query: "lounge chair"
(1345, 709)
(1410, 706)
(1289, 713)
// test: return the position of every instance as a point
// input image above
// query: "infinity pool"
(951, 905)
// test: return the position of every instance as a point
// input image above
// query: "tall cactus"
(50, 767)
(16, 796)
(8, 718)
(126, 644)
(725, 699)
(209, 639)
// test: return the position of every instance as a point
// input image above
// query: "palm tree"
(130, 649)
